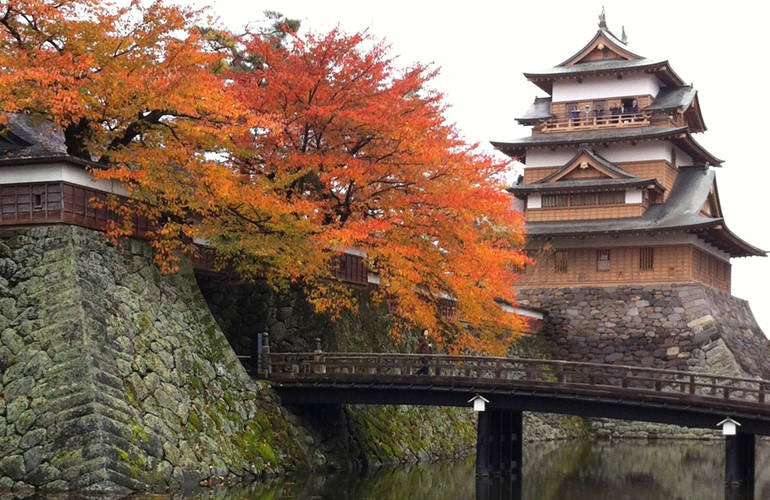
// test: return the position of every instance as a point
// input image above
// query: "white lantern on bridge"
(729, 426)
(479, 402)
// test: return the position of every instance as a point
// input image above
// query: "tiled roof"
(582, 185)
(673, 98)
(26, 136)
(538, 110)
(590, 136)
(681, 211)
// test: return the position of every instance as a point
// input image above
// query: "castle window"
(560, 261)
(646, 259)
(603, 260)
(612, 198)
(555, 200)
(583, 199)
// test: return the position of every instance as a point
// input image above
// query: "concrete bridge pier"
(739, 466)
(499, 443)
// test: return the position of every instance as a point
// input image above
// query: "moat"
(563, 470)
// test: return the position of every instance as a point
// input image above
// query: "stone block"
(701, 321)
(13, 466)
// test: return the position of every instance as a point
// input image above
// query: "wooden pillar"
(739, 467)
(499, 443)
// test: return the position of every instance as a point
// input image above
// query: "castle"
(615, 185)
(623, 218)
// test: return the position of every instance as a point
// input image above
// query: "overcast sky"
(482, 47)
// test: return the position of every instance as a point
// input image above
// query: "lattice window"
(447, 307)
(603, 260)
(560, 261)
(612, 198)
(555, 200)
(583, 199)
(646, 255)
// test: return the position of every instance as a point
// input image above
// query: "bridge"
(513, 385)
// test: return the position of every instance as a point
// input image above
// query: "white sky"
(482, 47)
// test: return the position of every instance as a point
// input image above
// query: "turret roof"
(679, 135)
(680, 212)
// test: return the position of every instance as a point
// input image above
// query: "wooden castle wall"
(671, 264)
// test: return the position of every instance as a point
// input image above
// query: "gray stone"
(11, 340)
(32, 458)
(15, 408)
(19, 387)
(13, 467)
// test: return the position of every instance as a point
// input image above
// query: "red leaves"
(315, 147)
(385, 174)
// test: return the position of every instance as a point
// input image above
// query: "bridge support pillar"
(739, 467)
(499, 443)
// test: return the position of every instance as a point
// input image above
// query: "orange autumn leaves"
(322, 146)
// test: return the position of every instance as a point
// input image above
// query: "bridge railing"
(465, 371)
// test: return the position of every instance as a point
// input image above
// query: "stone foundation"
(682, 327)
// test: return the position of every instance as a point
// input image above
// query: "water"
(627, 470)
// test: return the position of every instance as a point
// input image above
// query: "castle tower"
(616, 190)
(623, 218)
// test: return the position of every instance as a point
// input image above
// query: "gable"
(586, 165)
(711, 206)
(601, 52)
(602, 47)
(585, 170)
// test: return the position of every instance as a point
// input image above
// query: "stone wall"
(684, 327)
(115, 377)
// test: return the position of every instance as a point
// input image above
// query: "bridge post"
(265, 364)
(319, 366)
(739, 466)
(499, 443)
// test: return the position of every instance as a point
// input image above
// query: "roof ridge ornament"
(602, 20)
(623, 36)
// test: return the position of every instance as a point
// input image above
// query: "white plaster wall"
(633, 195)
(620, 152)
(600, 87)
(682, 158)
(548, 158)
(52, 172)
(617, 153)
(534, 200)
(522, 312)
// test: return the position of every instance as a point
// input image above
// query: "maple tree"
(363, 152)
(321, 146)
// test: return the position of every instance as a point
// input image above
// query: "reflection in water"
(628, 470)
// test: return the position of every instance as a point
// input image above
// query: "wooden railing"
(566, 124)
(496, 372)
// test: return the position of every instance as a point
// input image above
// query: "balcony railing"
(566, 124)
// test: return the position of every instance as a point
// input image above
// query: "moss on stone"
(266, 452)
(194, 420)
(137, 432)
